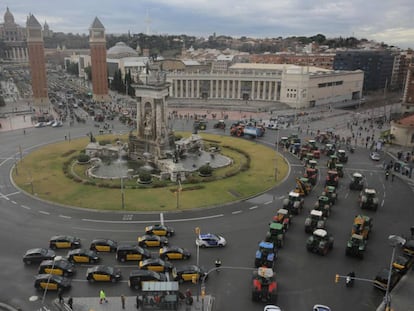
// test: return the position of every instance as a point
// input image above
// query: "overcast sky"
(388, 21)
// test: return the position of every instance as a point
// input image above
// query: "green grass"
(43, 169)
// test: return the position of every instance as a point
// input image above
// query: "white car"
(210, 240)
(271, 308)
(49, 123)
(57, 124)
(40, 124)
(321, 308)
(375, 156)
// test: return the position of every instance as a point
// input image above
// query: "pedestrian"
(60, 295)
(102, 296)
(70, 303)
(123, 301)
(217, 263)
(387, 173)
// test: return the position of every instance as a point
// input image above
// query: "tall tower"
(97, 44)
(35, 47)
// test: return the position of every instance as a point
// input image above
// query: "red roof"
(408, 121)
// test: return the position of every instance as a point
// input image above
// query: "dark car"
(403, 263)
(104, 245)
(103, 273)
(51, 282)
(129, 252)
(82, 255)
(156, 264)
(174, 252)
(36, 255)
(136, 277)
(158, 229)
(381, 280)
(187, 273)
(64, 241)
(152, 241)
(60, 266)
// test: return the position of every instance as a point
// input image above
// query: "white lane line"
(161, 218)
(253, 207)
(64, 216)
(150, 221)
(382, 203)
(26, 207)
(268, 202)
(4, 197)
(14, 202)
(44, 213)
(236, 212)
(281, 197)
(10, 194)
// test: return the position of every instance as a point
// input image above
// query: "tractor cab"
(368, 199)
(324, 205)
(332, 179)
(264, 285)
(340, 169)
(276, 234)
(362, 226)
(284, 142)
(342, 157)
(329, 149)
(293, 203)
(265, 255)
(283, 217)
(312, 144)
(330, 192)
(356, 246)
(220, 125)
(313, 164)
(303, 186)
(315, 220)
(308, 157)
(303, 151)
(312, 175)
(357, 182)
(333, 160)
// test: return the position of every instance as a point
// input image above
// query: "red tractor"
(264, 285)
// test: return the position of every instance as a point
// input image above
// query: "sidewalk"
(114, 303)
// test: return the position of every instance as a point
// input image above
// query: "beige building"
(296, 86)
(403, 131)
(14, 37)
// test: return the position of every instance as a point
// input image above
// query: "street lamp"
(50, 275)
(394, 241)
(277, 151)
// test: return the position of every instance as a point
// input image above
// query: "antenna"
(147, 21)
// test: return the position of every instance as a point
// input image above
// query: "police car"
(210, 240)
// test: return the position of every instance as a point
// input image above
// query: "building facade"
(403, 131)
(14, 38)
(296, 86)
(323, 60)
(37, 62)
(97, 42)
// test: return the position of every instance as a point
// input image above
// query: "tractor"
(313, 164)
(303, 186)
(320, 242)
(342, 157)
(323, 205)
(312, 175)
(356, 246)
(294, 203)
(265, 255)
(357, 182)
(276, 234)
(329, 149)
(340, 169)
(333, 160)
(332, 179)
(284, 217)
(368, 199)
(362, 226)
(200, 125)
(220, 125)
(314, 221)
(264, 285)
(330, 192)
(284, 142)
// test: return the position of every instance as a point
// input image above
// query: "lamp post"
(50, 275)
(394, 241)
(277, 152)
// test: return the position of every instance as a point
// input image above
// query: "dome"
(121, 50)
(8, 17)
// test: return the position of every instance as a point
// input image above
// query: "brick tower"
(97, 42)
(35, 47)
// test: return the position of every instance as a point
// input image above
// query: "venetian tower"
(35, 46)
(97, 42)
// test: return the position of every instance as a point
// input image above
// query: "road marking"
(253, 207)
(14, 202)
(127, 217)
(4, 197)
(268, 202)
(346, 195)
(236, 212)
(44, 213)
(161, 218)
(26, 207)
(281, 197)
(150, 221)
(64, 216)
(13, 193)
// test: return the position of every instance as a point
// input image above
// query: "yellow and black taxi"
(60, 266)
(64, 241)
(104, 245)
(136, 277)
(403, 263)
(130, 252)
(381, 279)
(103, 273)
(82, 255)
(148, 240)
(188, 273)
(160, 230)
(174, 252)
(36, 255)
(408, 247)
(156, 264)
(51, 282)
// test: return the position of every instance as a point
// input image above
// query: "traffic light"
(194, 279)
(203, 292)
(336, 278)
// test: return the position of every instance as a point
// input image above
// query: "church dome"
(121, 50)
(8, 17)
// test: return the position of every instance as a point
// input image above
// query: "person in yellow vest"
(102, 296)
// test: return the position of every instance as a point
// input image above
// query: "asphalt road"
(304, 278)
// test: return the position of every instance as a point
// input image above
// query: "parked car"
(51, 282)
(64, 241)
(103, 273)
(136, 277)
(104, 245)
(36, 255)
(60, 266)
(375, 156)
(210, 240)
(128, 252)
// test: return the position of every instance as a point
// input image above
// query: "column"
(14, 53)
(181, 88)
(198, 89)
(211, 88)
(259, 88)
(233, 89)
(228, 89)
(175, 82)
(217, 94)
(253, 86)
(239, 89)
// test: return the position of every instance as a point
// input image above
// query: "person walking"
(217, 263)
(123, 301)
(102, 296)
(70, 303)
(60, 295)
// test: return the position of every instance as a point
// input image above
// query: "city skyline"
(390, 24)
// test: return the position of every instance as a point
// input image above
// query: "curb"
(4, 306)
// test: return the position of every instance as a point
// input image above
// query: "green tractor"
(340, 169)
(357, 182)
(314, 221)
(333, 160)
(342, 157)
(368, 199)
(320, 242)
(293, 203)
(276, 234)
(330, 192)
(323, 204)
(356, 246)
